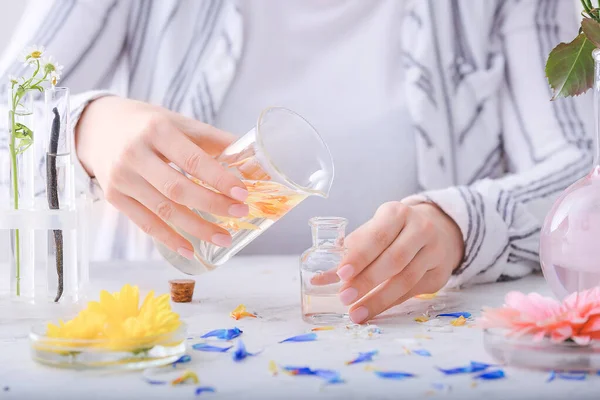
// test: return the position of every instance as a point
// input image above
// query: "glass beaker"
(321, 304)
(282, 161)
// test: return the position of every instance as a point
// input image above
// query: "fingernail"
(238, 210)
(346, 272)
(221, 240)
(187, 253)
(348, 296)
(359, 315)
(239, 194)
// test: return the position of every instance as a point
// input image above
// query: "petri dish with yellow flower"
(114, 333)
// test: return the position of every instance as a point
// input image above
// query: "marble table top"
(269, 286)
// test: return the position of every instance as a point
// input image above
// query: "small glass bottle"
(320, 284)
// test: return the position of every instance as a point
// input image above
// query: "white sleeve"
(547, 147)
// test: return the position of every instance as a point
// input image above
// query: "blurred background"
(9, 18)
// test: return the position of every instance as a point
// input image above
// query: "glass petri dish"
(103, 354)
(544, 355)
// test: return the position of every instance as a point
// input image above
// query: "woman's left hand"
(401, 252)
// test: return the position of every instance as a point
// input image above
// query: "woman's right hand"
(127, 146)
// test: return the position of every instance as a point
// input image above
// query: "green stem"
(15, 183)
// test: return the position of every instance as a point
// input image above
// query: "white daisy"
(13, 79)
(52, 68)
(32, 54)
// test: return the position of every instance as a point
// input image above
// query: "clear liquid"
(323, 306)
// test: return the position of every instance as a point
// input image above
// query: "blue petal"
(155, 382)
(573, 376)
(421, 352)
(492, 375)
(307, 337)
(329, 375)
(209, 348)
(203, 389)
(299, 370)
(363, 357)
(240, 352)
(223, 334)
(473, 367)
(182, 360)
(456, 315)
(552, 376)
(393, 375)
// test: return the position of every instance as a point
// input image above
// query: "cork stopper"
(182, 290)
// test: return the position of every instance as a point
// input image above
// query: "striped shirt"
(492, 151)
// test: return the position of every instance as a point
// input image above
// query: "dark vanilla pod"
(52, 194)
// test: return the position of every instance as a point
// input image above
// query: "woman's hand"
(401, 252)
(128, 145)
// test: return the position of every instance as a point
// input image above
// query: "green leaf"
(570, 67)
(591, 29)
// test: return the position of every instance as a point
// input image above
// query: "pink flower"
(576, 318)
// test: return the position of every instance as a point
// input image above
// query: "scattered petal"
(471, 368)
(330, 376)
(492, 375)
(204, 389)
(240, 352)
(567, 376)
(397, 375)
(456, 315)
(182, 360)
(209, 348)
(426, 296)
(186, 377)
(240, 312)
(307, 337)
(460, 321)
(223, 334)
(273, 368)
(323, 328)
(438, 307)
(421, 336)
(422, 352)
(155, 381)
(422, 318)
(363, 357)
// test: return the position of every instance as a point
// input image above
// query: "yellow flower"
(119, 323)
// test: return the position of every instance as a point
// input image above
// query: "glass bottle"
(318, 266)
(282, 161)
(569, 251)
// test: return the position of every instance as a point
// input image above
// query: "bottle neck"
(328, 232)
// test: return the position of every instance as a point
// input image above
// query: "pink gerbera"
(576, 318)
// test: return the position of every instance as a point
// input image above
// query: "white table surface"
(270, 287)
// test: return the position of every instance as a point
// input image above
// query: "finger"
(176, 214)
(182, 190)
(325, 278)
(386, 294)
(212, 140)
(389, 263)
(370, 240)
(152, 225)
(179, 149)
